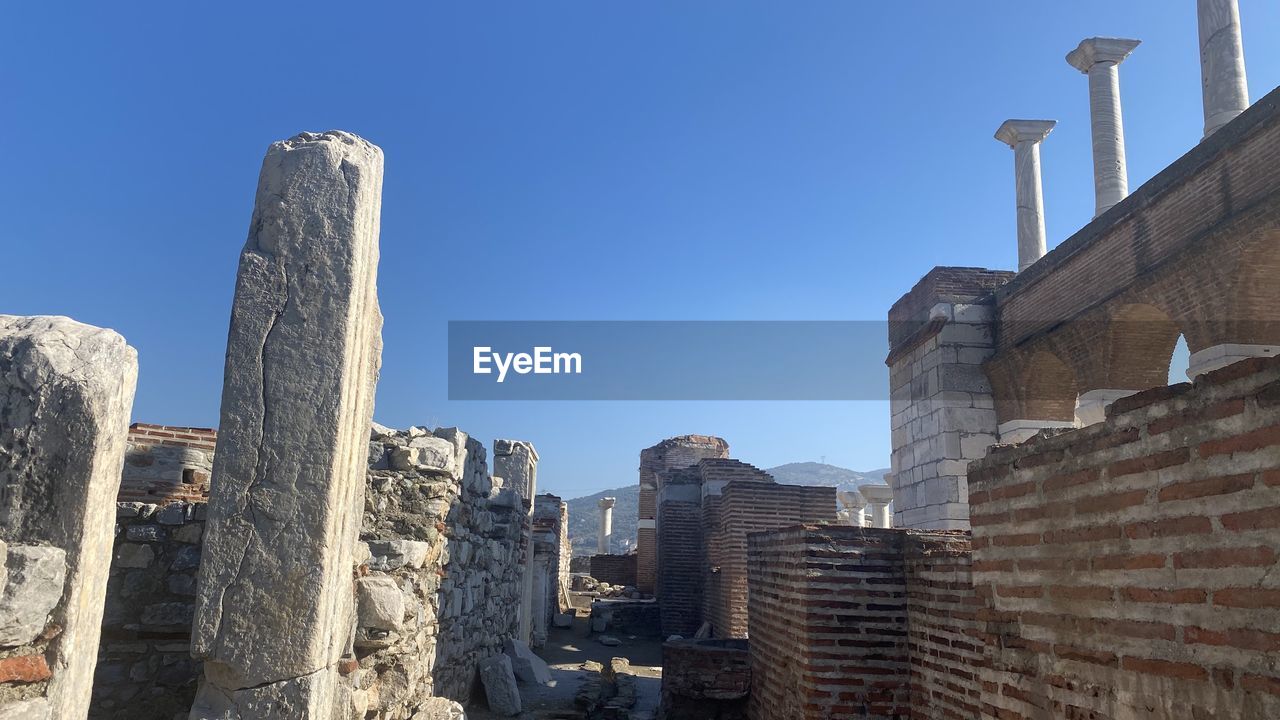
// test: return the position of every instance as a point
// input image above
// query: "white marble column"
(855, 507)
(1222, 76)
(878, 497)
(606, 525)
(1100, 59)
(1025, 136)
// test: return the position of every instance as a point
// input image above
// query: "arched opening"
(1048, 389)
(1180, 361)
(1141, 342)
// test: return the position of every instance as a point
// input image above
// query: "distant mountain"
(584, 511)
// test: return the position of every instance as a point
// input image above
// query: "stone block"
(34, 709)
(172, 514)
(438, 708)
(36, 577)
(66, 395)
(500, 685)
(528, 667)
(379, 603)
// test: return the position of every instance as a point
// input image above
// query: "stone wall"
(551, 553)
(441, 584)
(145, 670)
(614, 569)
(1129, 566)
(165, 462)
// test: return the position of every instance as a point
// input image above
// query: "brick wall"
(705, 680)
(614, 569)
(681, 555)
(670, 454)
(1130, 566)
(746, 507)
(863, 622)
(165, 463)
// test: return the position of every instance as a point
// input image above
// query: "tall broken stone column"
(274, 610)
(1025, 136)
(516, 462)
(1099, 58)
(1225, 87)
(604, 533)
(66, 391)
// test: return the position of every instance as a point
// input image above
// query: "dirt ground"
(566, 650)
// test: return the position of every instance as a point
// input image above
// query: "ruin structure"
(66, 391)
(670, 454)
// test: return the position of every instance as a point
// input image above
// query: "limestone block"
(500, 685)
(35, 582)
(438, 708)
(172, 514)
(429, 454)
(66, 393)
(275, 598)
(35, 709)
(387, 555)
(563, 620)
(379, 602)
(527, 666)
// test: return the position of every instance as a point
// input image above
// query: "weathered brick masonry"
(614, 569)
(746, 507)
(1130, 566)
(862, 622)
(670, 454)
(165, 463)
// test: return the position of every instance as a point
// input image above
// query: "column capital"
(608, 502)
(1013, 132)
(876, 494)
(1092, 51)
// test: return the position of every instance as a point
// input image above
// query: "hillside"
(584, 511)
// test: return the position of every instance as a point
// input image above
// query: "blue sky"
(553, 160)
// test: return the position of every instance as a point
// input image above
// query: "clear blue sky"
(551, 160)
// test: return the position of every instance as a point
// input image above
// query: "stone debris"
(528, 667)
(379, 604)
(440, 709)
(609, 641)
(610, 692)
(563, 620)
(500, 685)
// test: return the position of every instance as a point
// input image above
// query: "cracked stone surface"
(275, 601)
(66, 392)
(35, 581)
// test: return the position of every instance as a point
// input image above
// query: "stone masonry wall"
(705, 680)
(441, 585)
(1130, 566)
(145, 670)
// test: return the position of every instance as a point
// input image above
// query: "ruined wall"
(444, 546)
(164, 463)
(614, 569)
(1130, 565)
(705, 680)
(681, 556)
(551, 568)
(862, 622)
(672, 453)
(746, 507)
(145, 670)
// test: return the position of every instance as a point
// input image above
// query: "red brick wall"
(681, 559)
(742, 508)
(670, 454)
(944, 629)
(1130, 566)
(166, 463)
(614, 569)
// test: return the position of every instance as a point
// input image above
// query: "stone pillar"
(854, 505)
(606, 525)
(1025, 136)
(878, 497)
(66, 391)
(516, 462)
(1100, 59)
(1222, 77)
(942, 411)
(274, 611)
(1220, 356)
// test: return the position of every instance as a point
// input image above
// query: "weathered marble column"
(606, 525)
(1025, 136)
(854, 506)
(1100, 59)
(274, 611)
(878, 497)
(1222, 77)
(66, 391)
